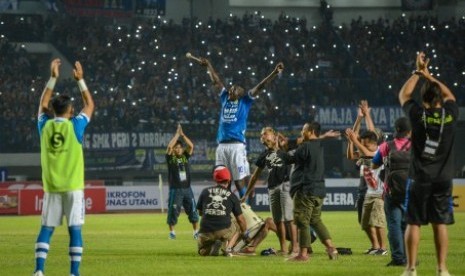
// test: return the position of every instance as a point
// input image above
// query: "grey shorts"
(281, 203)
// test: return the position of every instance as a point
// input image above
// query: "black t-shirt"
(442, 167)
(179, 175)
(308, 174)
(216, 205)
(277, 163)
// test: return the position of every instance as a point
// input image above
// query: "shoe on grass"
(371, 251)
(381, 252)
(442, 273)
(332, 253)
(410, 272)
(396, 263)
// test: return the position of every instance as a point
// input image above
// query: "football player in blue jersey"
(235, 107)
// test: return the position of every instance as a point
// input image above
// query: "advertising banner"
(337, 199)
(344, 117)
(8, 201)
(19, 185)
(30, 201)
(106, 8)
(133, 198)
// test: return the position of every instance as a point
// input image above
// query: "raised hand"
(55, 68)
(203, 61)
(364, 108)
(421, 63)
(78, 73)
(179, 130)
(279, 68)
(350, 134)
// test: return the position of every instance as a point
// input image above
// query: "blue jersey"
(79, 123)
(233, 117)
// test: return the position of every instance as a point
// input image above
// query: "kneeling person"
(215, 205)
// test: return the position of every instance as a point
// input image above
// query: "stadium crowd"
(141, 79)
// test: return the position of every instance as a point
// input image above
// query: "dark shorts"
(181, 197)
(429, 202)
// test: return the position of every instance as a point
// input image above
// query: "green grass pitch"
(138, 244)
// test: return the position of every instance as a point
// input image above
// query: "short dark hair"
(369, 135)
(431, 93)
(60, 104)
(402, 127)
(179, 142)
(315, 127)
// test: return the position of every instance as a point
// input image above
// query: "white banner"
(133, 198)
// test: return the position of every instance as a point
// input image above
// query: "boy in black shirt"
(179, 179)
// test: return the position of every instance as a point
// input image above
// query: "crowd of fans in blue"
(142, 81)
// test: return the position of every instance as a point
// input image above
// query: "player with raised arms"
(235, 107)
(62, 162)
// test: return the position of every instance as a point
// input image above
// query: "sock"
(75, 248)
(42, 246)
(242, 191)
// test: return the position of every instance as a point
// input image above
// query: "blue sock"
(242, 191)
(75, 248)
(42, 246)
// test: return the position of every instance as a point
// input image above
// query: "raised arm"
(189, 144)
(330, 134)
(361, 148)
(48, 90)
(278, 69)
(351, 154)
(366, 111)
(407, 89)
(169, 149)
(216, 81)
(87, 99)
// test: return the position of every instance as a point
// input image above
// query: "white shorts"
(234, 157)
(69, 204)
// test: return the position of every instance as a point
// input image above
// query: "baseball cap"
(221, 174)
(402, 126)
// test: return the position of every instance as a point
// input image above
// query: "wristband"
(82, 85)
(51, 83)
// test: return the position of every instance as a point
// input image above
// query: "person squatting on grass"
(62, 161)
(429, 191)
(215, 205)
(308, 192)
(179, 179)
(235, 107)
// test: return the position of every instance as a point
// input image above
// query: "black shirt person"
(429, 194)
